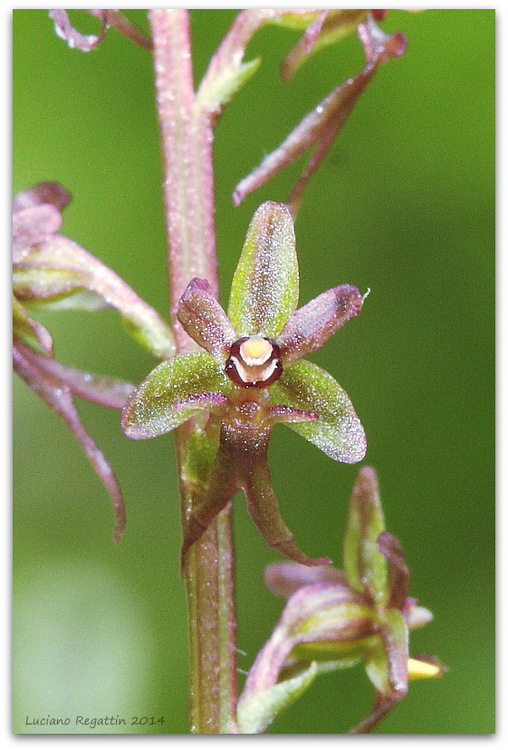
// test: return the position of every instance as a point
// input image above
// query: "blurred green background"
(404, 204)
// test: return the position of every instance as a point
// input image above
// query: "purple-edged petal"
(172, 393)
(43, 193)
(31, 226)
(313, 324)
(391, 549)
(338, 431)
(284, 578)
(264, 292)
(60, 273)
(204, 319)
(283, 413)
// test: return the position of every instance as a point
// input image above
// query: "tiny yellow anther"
(418, 669)
(256, 349)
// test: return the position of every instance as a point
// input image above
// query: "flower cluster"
(252, 375)
(53, 272)
(335, 618)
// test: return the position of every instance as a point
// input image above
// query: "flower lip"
(254, 362)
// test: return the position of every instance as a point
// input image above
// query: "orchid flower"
(252, 375)
(335, 618)
(52, 272)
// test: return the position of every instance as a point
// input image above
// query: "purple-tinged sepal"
(172, 393)
(365, 566)
(205, 321)
(312, 325)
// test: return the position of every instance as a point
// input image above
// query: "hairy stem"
(187, 137)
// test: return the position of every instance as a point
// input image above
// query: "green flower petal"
(365, 566)
(156, 407)
(256, 712)
(264, 292)
(387, 669)
(338, 431)
(387, 664)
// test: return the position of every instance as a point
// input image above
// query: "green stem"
(186, 134)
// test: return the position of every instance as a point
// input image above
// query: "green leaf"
(257, 711)
(338, 431)
(264, 292)
(159, 404)
(365, 566)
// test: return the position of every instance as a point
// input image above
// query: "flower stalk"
(186, 136)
